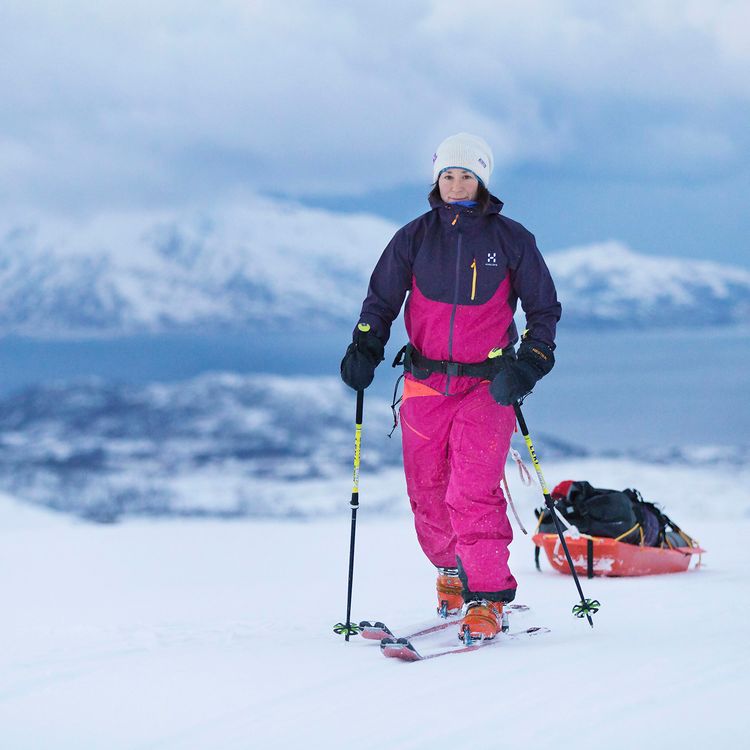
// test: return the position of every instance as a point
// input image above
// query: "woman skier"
(464, 267)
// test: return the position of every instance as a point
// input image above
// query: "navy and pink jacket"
(465, 273)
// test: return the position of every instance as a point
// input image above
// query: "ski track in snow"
(160, 635)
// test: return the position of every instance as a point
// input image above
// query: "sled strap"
(626, 533)
(510, 502)
(539, 515)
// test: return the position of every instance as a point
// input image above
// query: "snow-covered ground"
(211, 634)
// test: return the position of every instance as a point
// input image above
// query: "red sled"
(600, 556)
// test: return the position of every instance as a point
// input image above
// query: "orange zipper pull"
(455, 219)
(474, 279)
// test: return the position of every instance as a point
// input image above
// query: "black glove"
(519, 376)
(362, 356)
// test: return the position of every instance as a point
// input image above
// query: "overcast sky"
(622, 120)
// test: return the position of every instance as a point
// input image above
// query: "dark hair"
(482, 199)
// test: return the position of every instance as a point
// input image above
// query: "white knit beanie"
(464, 151)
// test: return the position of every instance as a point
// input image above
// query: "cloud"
(170, 102)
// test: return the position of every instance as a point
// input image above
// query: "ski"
(403, 649)
(376, 631)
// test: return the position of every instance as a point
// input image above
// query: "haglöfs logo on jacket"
(491, 259)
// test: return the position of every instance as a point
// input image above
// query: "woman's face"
(458, 185)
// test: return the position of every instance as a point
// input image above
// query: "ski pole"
(347, 629)
(587, 607)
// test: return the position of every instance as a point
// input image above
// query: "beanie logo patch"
(434, 157)
(480, 160)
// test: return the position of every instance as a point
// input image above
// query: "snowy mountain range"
(609, 286)
(266, 263)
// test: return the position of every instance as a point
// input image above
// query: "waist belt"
(422, 367)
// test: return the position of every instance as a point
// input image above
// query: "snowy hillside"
(221, 445)
(230, 446)
(268, 263)
(197, 635)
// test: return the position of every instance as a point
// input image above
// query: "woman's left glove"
(362, 356)
(520, 375)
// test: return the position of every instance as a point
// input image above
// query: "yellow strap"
(539, 521)
(474, 279)
(629, 531)
(688, 539)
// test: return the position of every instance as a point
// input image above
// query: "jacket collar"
(495, 207)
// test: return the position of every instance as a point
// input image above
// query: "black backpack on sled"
(621, 515)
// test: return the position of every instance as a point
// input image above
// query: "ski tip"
(399, 648)
(374, 631)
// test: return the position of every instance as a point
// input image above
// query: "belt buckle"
(452, 368)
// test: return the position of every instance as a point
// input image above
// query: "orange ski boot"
(482, 621)
(449, 588)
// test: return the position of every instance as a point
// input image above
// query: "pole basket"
(341, 628)
(586, 607)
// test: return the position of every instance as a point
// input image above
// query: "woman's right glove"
(520, 375)
(362, 356)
